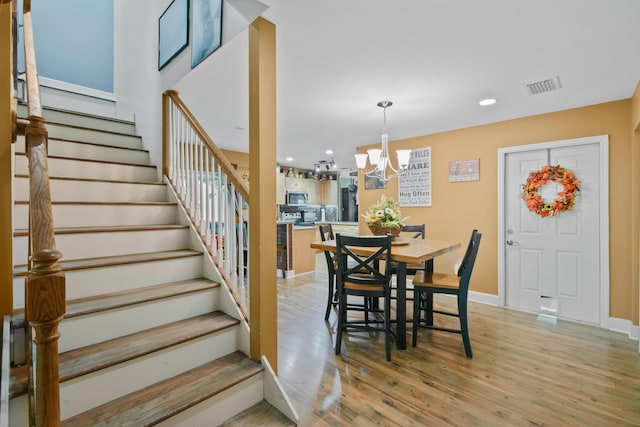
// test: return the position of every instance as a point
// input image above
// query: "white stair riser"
(101, 215)
(56, 131)
(90, 329)
(70, 118)
(90, 151)
(67, 168)
(19, 411)
(94, 281)
(90, 245)
(88, 391)
(88, 191)
(219, 408)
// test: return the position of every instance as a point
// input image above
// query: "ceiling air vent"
(543, 86)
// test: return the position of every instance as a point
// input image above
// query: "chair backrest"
(326, 233)
(467, 253)
(363, 269)
(417, 230)
(469, 260)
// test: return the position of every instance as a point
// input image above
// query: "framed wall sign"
(173, 31)
(414, 184)
(206, 29)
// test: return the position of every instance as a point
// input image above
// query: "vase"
(383, 231)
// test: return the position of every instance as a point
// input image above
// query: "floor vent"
(543, 86)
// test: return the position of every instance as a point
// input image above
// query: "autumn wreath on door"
(566, 198)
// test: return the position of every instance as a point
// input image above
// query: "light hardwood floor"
(526, 370)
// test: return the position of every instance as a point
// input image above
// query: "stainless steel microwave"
(300, 198)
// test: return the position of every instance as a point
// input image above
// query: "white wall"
(138, 85)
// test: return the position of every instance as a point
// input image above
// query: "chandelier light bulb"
(379, 157)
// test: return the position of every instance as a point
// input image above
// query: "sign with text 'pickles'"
(414, 185)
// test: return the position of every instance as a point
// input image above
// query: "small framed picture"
(464, 170)
(173, 31)
(206, 29)
(374, 183)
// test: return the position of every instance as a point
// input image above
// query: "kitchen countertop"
(317, 223)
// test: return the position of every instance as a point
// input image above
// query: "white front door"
(552, 264)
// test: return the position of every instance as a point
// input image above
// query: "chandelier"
(379, 157)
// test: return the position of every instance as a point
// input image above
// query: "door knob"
(512, 243)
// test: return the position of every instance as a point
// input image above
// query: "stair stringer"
(272, 390)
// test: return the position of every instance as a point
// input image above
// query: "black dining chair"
(326, 233)
(363, 276)
(426, 284)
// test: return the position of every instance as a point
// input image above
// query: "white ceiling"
(434, 59)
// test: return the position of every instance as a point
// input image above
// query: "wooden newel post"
(45, 284)
(45, 295)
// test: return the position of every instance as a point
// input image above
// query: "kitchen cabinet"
(328, 192)
(280, 190)
(295, 255)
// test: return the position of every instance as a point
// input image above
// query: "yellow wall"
(241, 161)
(459, 207)
(635, 195)
(635, 109)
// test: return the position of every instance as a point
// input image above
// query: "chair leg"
(417, 304)
(464, 328)
(342, 313)
(429, 308)
(330, 298)
(387, 327)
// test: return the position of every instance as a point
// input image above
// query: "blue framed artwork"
(206, 29)
(173, 31)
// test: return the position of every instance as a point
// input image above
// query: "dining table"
(403, 251)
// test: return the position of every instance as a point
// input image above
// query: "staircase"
(150, 335)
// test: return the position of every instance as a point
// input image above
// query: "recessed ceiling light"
(487, 102)
(289, 159)
(328, 152)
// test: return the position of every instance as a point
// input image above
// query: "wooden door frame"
(603, 144)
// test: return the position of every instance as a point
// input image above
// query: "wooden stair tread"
(107, 229)
(97, 303)
(108, 261)
(78, 113)
(167, 398)
(111, 162)
(261, 414)
(109, 132)
(113, 181)
(96, 144)
(84, 360)
(80, 203)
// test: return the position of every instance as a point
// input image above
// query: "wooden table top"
(416, 251)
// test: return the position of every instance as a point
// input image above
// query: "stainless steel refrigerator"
(348, 203)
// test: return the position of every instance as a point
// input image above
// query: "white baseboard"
(275, 394)
(483, 298)
(624, 326)
(614, 324)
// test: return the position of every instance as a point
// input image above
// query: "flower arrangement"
(566, 197)
(384, 217)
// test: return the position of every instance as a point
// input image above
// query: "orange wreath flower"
(566, 198)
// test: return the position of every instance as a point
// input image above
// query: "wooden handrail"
(231, 172)
(45, 283)
(215, 206)
(33, 90)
